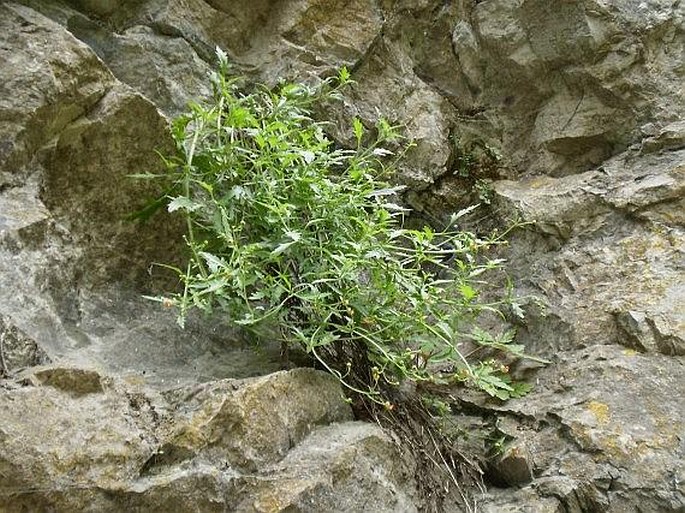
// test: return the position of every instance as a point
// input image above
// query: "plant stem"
(3, 365)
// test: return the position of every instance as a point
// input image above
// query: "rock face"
(567, 115)
(84, 442)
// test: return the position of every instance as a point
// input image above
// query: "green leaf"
(344, 76)
(358, 130)
(145, 176)
(517, 310)
(308, 156)
(282, 247)
(148, 210)
(214, 263)
(468, 291)
(183, 203)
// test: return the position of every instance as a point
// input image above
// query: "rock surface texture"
(567, 115)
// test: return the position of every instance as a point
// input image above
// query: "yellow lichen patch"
(192, 437)
(273, 499)
(630, 352)
(538, 182)
(600, 411)
(134, 380)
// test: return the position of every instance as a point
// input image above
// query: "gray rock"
(108, 406)
(513, 467)
(607, 242)
(95, 443)
(577, 78)
(590, 447)
(49, 80)
(357, 475)
(162, 67)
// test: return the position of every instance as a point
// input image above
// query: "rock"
(591, 447)
(512, 467)
(49, 80)
(74, 381)
(670, 137)
(579, 69)
(17, 350)
(388, 88)
(292, 40)
(249, 427)
(340, 468)
(616, 231)
(162, 67)
(94, 443)
(61, 229)
(59, 445)
(520, 501)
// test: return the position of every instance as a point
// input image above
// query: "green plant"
(477, 163)
(484, 190)
(295, 239)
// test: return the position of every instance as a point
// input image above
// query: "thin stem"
(3, 365)
(186, 192)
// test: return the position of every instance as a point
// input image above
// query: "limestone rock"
(251, 426)
(49, 80)
(575, 81)
(356, 474)
(74, 381)
(513, 467)
(607, 242)
(162, 67)
(18, 350)
(630, 450)
(269, 444)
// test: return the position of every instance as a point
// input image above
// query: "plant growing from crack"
(293, 238)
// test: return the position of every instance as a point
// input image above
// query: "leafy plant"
(476, 163)
(296, 239)
(484, 190)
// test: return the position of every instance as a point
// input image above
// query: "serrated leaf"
(247, 320)
(374, 253)
(520, 389)
(389, 191)
(214, 262)
(206, 186)
(257, 296)
(293, 235)
(458, 215)
(221, 56)
(209, 287)
(358, 129)
(446, 329)
(282, 247)
(393, 207)
(468, 292)
(183, 203)
(517, 310)
(239, 192)
(344, 75)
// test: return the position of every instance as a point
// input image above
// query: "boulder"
(90, 442)
(589, 447)
(607, 251)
